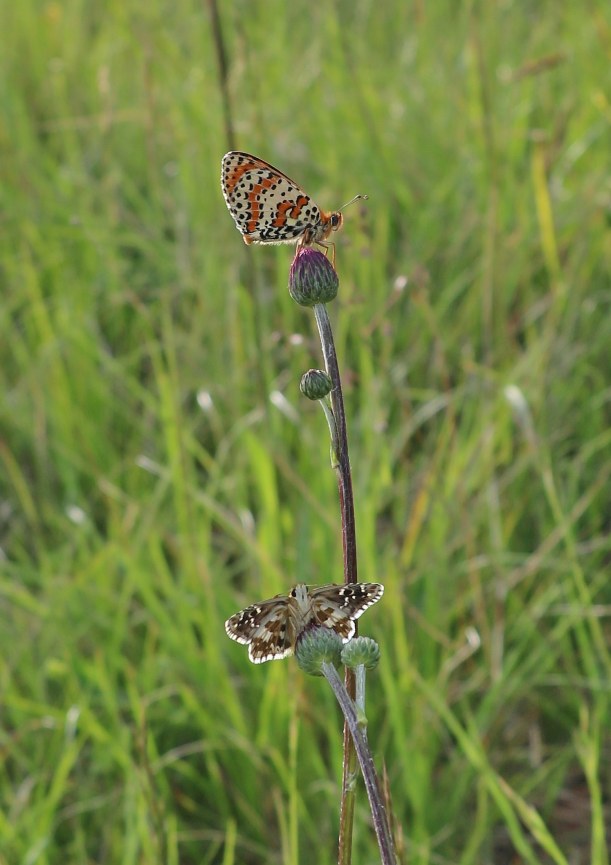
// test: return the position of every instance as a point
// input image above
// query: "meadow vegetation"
(159, 468)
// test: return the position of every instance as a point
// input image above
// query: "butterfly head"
(329, 222)
(336, 220)
(300, 593)
(333, 220)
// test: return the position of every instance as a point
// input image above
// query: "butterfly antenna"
(352, 200)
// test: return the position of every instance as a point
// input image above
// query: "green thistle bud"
(315, 384)
(312, 278)
(361, 650)
(315, 646)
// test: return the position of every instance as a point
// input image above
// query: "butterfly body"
(271, 628)
(269, 207)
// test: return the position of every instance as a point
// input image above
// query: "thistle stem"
(346, 503)
(365, 758)
(344, 476)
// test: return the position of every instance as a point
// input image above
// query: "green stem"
(346, 503)
(344, 476)
(365, 758)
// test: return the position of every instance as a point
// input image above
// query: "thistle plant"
(313, 282)
(319, 624)
(315, 623)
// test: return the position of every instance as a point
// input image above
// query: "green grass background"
(159, 468)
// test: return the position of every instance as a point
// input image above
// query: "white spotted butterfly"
(269, 207)
(271, 628)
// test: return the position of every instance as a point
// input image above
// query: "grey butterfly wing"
(264, 628)
(338, 607)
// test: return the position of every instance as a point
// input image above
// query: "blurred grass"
(159, 468)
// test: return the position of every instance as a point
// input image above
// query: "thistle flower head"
(315, 384)
(316, 645)
(361, 650)
(312, 278)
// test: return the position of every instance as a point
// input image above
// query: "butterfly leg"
(326, 246)
(306, 240)
(301, 244)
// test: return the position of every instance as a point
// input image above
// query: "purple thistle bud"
(312, 278)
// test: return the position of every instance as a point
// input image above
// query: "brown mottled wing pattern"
(271, 628)
(265, 628)
(338, 607)
(266, 205)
